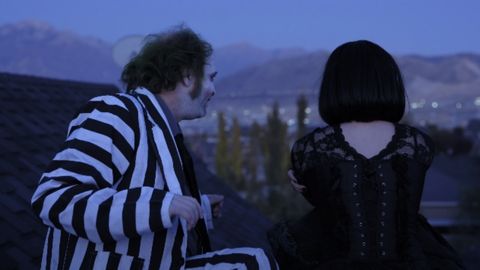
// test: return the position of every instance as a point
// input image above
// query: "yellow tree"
(301, 116)
(276, 162)
(236, 156)
(221, 163)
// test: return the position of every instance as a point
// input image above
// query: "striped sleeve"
(78, 194)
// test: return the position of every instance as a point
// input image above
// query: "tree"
(236, 156)
(301, 116)
(451, 142)
(276, 162)
(268, 146)
(276, 148)
(253, 152)
(221, 153)
(253, 159)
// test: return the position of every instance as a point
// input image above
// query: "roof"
(34, 115)
(241, 224)
(445, 181)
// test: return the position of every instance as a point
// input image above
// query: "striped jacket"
(105, 197)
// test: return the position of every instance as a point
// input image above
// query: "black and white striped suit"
(105, 196)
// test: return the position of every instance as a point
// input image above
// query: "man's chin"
(196, 116)
(203, 113)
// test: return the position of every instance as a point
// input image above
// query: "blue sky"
(427, 27)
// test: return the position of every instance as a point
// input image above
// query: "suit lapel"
(168, 154)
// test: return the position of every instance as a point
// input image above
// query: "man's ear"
(188, 80)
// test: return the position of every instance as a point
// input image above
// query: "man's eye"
(212, 77)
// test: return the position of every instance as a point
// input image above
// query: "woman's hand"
(216, 203)
(294, 182)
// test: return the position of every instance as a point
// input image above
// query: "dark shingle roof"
(241, 224)
(449, 176)
(34, 114)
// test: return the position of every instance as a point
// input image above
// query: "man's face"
(196, 107)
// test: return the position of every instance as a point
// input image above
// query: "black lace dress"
(365, 209)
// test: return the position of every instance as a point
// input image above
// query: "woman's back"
(366, 198)
(363, 173)
(330, 154)
(358, 142)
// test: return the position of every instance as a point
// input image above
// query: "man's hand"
(216, 202)
(186, 207)
(294, 182)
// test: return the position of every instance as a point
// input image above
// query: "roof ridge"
(47, 80)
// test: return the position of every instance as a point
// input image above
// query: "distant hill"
(36, 48)
(451, 69)
(275, 77)
(235, 57)
(443, 89)
(246, 72)
(445, 78)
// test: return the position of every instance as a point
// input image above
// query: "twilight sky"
(427, 27)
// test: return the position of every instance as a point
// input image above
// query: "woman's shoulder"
(420, 137)
(311, 145)
(319, 134)
(313, 148)
(420, 143)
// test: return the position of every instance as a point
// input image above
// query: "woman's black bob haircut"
(361, 82)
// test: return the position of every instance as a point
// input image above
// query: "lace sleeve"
(316, 148)
(306, 162)
(299, 152)
(313, 150)
(425, 148)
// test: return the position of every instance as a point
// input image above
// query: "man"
(122, 193)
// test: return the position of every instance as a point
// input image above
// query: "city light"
(477, 101)
(418, 105)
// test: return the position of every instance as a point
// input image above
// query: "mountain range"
(37, 48)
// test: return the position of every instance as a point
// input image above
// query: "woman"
(364, 175)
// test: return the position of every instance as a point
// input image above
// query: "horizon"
(41, 23)
(428, 28)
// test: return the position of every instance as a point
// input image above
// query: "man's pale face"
(197, 107)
